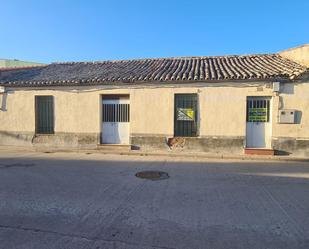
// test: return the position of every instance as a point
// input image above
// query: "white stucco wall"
(293, 96)
(222, 108)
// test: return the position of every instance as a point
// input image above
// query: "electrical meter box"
(276, 86)
(287, 116)
(2, 89)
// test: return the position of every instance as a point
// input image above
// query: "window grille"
(258, 110)
(116, 113)
(185, 115)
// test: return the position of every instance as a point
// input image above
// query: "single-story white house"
(236, 103)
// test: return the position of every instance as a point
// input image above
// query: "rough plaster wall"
(292, 96)
(222, 110)
(153, 110)
(17, 112)
(298, 54)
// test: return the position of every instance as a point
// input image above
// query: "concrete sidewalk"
(158, 153)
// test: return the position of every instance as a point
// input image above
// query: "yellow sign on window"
(185, 114)
(257, 115)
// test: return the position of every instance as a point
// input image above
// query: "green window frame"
(44, 114)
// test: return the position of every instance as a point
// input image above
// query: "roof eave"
(130, 83)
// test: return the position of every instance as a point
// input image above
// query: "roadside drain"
(152, 175)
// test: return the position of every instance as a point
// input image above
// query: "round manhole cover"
(152, 175)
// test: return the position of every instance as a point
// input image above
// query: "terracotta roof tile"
(182, 69)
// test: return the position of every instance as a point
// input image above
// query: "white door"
(116, 121)
(258, 128)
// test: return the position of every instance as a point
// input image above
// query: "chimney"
(298, 54)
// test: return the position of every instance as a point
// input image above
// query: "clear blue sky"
(75, 30)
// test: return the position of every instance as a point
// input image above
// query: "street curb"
(203, 156)
(188, 155)
(181, 155)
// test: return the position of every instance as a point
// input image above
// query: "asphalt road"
(94, 201)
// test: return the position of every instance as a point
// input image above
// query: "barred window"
(185, 115)
(258, 110)
(116, 113)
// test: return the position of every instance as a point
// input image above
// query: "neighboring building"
(5, 63)
(214, 104)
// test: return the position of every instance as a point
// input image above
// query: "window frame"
(181, 129)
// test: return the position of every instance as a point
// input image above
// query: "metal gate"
(185, 115)
(116, 120)
(258, 128)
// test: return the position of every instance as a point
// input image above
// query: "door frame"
(268, 144)
(111, 96)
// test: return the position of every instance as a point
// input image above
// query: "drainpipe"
(277, 104)
(276, 91)
(3, 99)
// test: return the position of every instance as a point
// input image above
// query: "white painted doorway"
(258, 127)
(116, 120)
